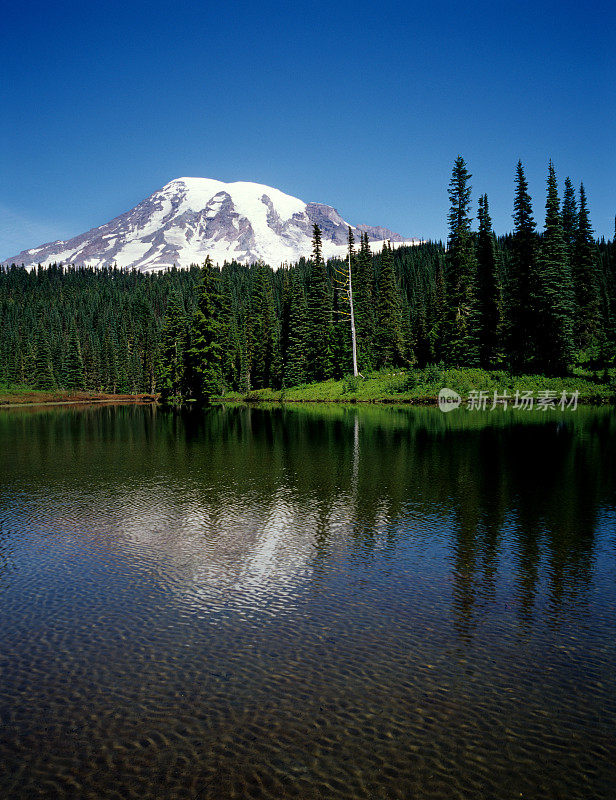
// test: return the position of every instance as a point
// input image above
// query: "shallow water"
(313, 603)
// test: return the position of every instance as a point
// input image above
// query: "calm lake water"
(311, 603)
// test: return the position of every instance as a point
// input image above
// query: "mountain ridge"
(191, 218)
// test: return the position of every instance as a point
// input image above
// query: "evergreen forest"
(539, 300)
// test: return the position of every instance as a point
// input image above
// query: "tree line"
(529, 301)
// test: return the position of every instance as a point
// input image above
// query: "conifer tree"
(28, 362)
(263, 331)
(110, 349)
(318, 353)
(229, 336)
(363, 295)
(74, 372)
(523, 312)
(438, 316)
(92, 367)
(586, 281)
(344, 330)
(420, 341)
(462, 322)
(285, 322)
(490, 301)
(340, 343)
(553, 287)
(388, 336)
(43, 370)
(295, 364)
(205, 352)
(569, 217)
(171, 377)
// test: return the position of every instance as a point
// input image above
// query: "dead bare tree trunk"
(344, 280)
(353, 337)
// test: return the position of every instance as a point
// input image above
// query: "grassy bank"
(24, 395)
(422, 386)
(416, 386)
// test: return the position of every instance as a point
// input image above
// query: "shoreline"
(9, 399)
(423, 402)
(385, 401)
(380, 389)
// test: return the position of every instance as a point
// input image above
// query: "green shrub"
(433, 374)
(350, 383)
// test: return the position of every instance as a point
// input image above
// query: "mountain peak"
(190, 218)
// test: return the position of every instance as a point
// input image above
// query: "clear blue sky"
(362, 106)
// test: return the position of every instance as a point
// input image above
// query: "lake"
(308, 602)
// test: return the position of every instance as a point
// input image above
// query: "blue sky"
(362, 106)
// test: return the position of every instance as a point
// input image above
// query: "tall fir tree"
(285, 322)
(420, 342)
(110, 350)
(263, 332)
(438, 314)
(388, 336)
(554, 291)
(522, 309)
(489, 294)
(340, 342)
(171, 363)
(586, 281)
(295, 363)
(205, 373)
(363, 296)
(462, 328)
(229, 336)
(569, 217)
(319, 321)
(74, 371)
(43, 370)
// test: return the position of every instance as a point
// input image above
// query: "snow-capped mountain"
(191, 218)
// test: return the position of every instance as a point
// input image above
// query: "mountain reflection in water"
(329, 601)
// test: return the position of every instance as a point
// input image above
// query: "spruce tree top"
(584, 229)
(570, 214)
(317, 246)
(460, 198)
(553, 221)
(522, 205)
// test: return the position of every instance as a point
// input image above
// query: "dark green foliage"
(340, 332)
(569, 217)
(171, 378)
(462, 335)
(553, 292)
(388, 335)
(438, 315)
(586, 279)
(523, 316)
(74, 372)
(231, 340)
(204, 354)
(295, 363)
(319, 319)
(420, 343)
(43, 370)
(363, 298)
(197, 332)
(264, 337)
(459, 199)
(489, 297)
